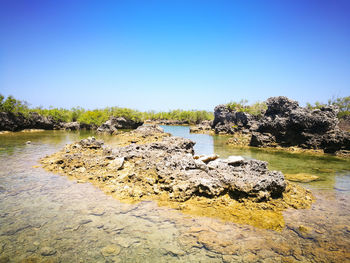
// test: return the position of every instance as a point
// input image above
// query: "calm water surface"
(45, 217)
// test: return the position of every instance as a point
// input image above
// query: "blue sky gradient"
(163, 55)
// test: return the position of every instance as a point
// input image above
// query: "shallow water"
(47, 217)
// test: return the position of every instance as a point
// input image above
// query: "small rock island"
(149, 164)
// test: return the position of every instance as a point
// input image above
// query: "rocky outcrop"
(70, 126)
(160, 167)
(16, 122)
(227, 121)
(169, 167)
(287, 124)
(114, 123)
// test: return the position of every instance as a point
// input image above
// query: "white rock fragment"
(233, 159)
(208, 158)
(117, 163)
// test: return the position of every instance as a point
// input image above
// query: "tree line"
(99, 116)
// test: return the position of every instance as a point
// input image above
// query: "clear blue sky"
(173, 54)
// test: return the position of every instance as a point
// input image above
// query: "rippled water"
(47, 217)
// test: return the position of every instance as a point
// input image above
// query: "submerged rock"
(203, 127)
(110, 250)
(47, 251)
(302, 177)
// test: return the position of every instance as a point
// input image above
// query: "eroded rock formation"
(173, 169)
(286, 124)
(164, 168)
(227, 121)
(17, 122)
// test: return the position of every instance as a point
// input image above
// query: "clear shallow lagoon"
(47, 217)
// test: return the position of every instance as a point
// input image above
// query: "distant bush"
(10, 104)
(256, 109)
(126, 113)
(343, 103)
(192, 116)
(94, 117)
(317, 105)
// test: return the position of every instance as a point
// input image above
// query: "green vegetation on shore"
(99, 116)
(256, 109)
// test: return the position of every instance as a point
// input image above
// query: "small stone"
(110, 250)
(117, 163)
(227, 258)
(28, 142)
(32, 249)
(208, 158)
(81, 170)
(47, 251)
(234, 159)
(347, 229)
(304, 229)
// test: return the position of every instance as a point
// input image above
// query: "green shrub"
(192, 116)
(94, 117)
(343, 103)
(256, 109)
